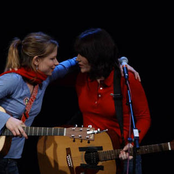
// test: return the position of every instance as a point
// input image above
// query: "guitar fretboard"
(109, 155)
(113, 154)
(39, 131)
(154, 148)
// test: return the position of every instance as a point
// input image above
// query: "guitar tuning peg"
(90, 126)
(87, 137)
(80, 136)
(73, 138)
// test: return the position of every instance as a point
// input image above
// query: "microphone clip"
(116, 96)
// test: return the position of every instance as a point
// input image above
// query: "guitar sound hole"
(91, 157)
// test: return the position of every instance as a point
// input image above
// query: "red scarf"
(31, 75)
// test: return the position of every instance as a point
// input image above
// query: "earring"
(37, 67)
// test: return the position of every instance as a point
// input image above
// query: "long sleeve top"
(13, 93)
(97, 105)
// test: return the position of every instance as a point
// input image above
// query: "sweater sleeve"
(140, 107)
(64, 68)
(7, 85)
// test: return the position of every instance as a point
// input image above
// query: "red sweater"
(97, 105)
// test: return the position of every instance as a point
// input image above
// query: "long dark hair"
(98, 47)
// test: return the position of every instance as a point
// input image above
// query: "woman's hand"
(16, 127)
(124, 154)
(130, 68)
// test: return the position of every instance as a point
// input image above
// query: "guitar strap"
(118, 102)
(29, 104)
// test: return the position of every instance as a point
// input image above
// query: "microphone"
(123, 61)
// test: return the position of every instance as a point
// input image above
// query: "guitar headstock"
(82, 133)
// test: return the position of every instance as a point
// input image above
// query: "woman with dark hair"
(97, 56)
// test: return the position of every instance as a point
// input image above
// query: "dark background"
(143, 33)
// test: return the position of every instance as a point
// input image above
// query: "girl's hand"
(16, 127)
(130, 68)
(124, 154)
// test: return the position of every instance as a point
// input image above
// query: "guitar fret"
(37, 131)
(42, 130)
(32, 130)
(27, 130)
(154, 148)
(53, 131)
(7, 132)
(109, 155)
(56, 132)
(117, 152)
(60, 131)
(169, 146)
(47, 131)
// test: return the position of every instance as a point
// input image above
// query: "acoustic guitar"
(60, 155)
(81, 133)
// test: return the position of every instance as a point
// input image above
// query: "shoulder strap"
(29, 104)
(118, 102)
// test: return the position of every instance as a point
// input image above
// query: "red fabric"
(29, 104)
(29, 74)
(97, 105)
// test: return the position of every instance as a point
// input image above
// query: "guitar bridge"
(69, 160)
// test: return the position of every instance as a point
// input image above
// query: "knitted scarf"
(30, 75)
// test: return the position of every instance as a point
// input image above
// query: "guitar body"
(60, 155)
(5, 142)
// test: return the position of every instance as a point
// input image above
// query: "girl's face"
(47, 64)
(83, 64)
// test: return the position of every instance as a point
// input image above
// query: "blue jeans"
(138, 169)
(8, 166)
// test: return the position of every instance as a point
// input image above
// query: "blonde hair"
(13, 55)
(21, 53)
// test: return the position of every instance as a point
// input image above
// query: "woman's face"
(47, 64)
(83, 64)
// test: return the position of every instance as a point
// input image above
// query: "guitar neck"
(154, 148)
(113, 154)
(39, 131)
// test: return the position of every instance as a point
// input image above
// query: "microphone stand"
(135, 130)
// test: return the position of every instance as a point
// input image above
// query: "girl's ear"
(36, 60)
